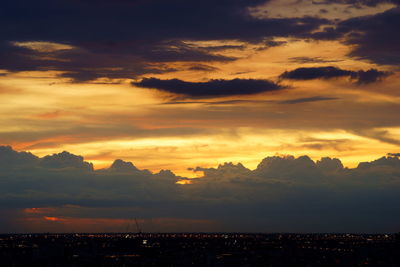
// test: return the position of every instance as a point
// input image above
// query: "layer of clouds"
(283, 193)
(96, 60)
(125, 39)
(212, 88)
(143, 20)
(330, 72)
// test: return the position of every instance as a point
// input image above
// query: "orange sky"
(45, 114)
(108, 118)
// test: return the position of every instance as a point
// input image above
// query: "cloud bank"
(283, 193)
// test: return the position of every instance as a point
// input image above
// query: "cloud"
(202, 67)
(114, 61)
(211, 88)
(377, 39)
(305, 60)
(255, 102)
(357, 2)
(51, 133)
(123, 166)
(377, 134)
(10, 158)
(373, 38)
(125, 39)
(322, 144)
(283, 193)
(308, 99)
(147, 20)
(159, 31)
(65, 160)
(330, 72)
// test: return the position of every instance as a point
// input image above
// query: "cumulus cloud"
(124, 166)
(330, 72)
(283, 193)
(65, 160)
(211, 88)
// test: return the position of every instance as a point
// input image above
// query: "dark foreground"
(199, 250)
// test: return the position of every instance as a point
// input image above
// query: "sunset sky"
(186, 85)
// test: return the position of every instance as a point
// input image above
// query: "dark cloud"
(113, 61)
(315, 73)
(369, 76)
(252, 101)
(120, 165)
(322, 144)
(356, 3)
(305, 60)
(329, 165)
(390, 161)
(374, 38)
(330, 72)
(171, 51)
(212, 88)
(287, 167)
(202, 67)
(283, 193)
(9, 157)
(223, 47)
(308, 99)
(123, 39)
(65, 160)
(143, 20)
(380, 135)
(225, 102)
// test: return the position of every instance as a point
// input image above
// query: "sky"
(212, 115)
